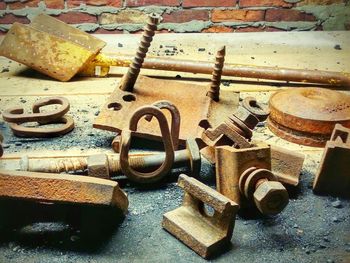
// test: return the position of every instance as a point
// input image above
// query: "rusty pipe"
(233, 70)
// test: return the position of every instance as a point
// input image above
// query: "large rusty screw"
(106, 166)
(135, 67)
(214, 91)
(261, 187)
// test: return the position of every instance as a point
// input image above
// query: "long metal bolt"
(102, 165)
(214, 91)
(134, 68)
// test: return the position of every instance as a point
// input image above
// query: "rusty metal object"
(286, 165)
(257, 109)
(118, 109)
(235, 131)
(332, 176)
(16, 116)
(234, 70)
(50, 46)
(191, 223)
(307, 116)
(61, 188)
(107, 166)
(164, 169)
(130, 77)
(244, 176)
(214, 91)
(1, 148)
(175, 119)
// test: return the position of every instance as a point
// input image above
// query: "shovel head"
(50, 46)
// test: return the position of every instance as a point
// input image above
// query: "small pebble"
(201, 49)
(337, 204)
(322, 246)
(120, 45)
(335, 219)
(337, 47)
(347, 249)
(330, 261)
(18, 143)
(97, 113)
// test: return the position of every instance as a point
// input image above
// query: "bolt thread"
(214, 91)
(146, 39)
(134, 162)
(56, 165)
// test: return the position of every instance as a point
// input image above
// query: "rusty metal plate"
(61, 188)
(308, 115)
(192, 224)
(190, 99)
(49, 53)
(333, 175)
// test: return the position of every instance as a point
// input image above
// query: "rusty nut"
(246, 117)
(271, 197)
(98, 166)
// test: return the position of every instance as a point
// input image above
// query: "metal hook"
(158, 174)
(175, 119)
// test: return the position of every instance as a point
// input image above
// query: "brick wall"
(128, 16)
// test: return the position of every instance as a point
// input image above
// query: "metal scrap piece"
(333, 175)
(307, 116)
(191, 223)
(61, 188)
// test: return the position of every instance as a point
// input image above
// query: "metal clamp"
(159, 173)
(16, 116)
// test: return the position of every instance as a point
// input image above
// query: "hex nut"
(98, 166)
(246, 117)
(271, 197)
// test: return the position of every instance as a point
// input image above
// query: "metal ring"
(175, 119)
(259, 110)
(22, 131)
(164, 169)
(16, 115)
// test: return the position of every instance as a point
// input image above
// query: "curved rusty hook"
(164, 169)
(175, 119)
(16, 114)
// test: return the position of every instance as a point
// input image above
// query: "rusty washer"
(307, 116)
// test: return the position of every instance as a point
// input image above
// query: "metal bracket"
(192, 224)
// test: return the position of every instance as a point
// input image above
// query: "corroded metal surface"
(120, 106)
(160, 172)
(214, 91)
(308, 115)
(130, 77)
(259, 110)
(333, 175)
(50, 47)
(16, 117)
(61, 188)
(191, 223)
(1, 148)
(244, 176)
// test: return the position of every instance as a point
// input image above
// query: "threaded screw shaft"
(214, 91)
(135, 67)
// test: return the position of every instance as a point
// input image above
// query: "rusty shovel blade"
(50, 46)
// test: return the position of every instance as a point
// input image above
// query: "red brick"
(76, 18)
(54, 4)
(185, 16)
(237, 15)
(218, 29)
(20, 5)
(10, 19)
(115, 3)
(270, 3)
(200, 3)
(2, 5)
(287, 15)
(152, 2)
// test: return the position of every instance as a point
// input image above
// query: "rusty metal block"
(61, 188)
(244, 176)
(286, 165)
(333, 175)
(190, 99)
(191, 223)
(98, 166)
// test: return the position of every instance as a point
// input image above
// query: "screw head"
(271, 197)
